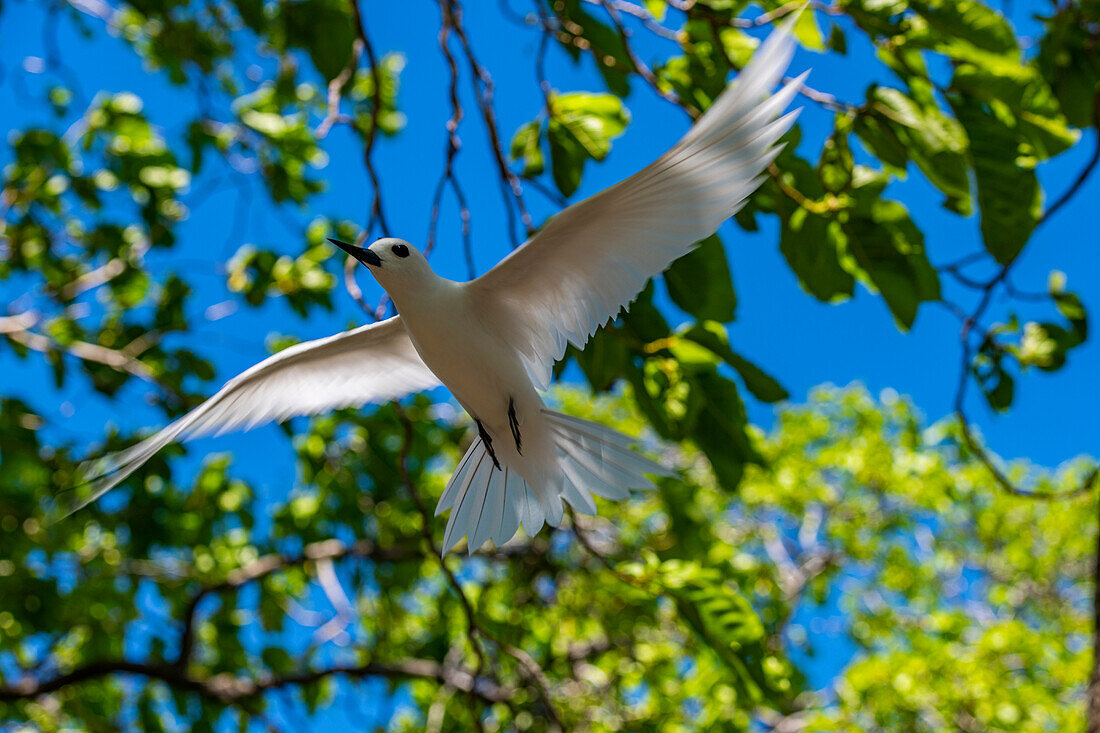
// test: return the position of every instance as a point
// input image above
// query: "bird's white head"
(397, 265)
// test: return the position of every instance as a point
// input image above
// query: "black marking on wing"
(488, 442)
(513, 424)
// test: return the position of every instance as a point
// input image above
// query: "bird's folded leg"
(488, 442)
(513, 424)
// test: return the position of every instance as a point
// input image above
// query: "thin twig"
(483, 89)
(965, 261)
(640, 66)
(335, 88)
(18, 329)
(377, 210)
(356, 293)
(643, 14)
(1086, 171)
(540, 61)
(93, 279)
(454, 143)
(826, 100)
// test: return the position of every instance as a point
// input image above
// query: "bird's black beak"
(366, 256)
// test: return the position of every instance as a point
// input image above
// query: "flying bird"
(493, 341)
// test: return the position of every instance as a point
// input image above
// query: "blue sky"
(802, 342)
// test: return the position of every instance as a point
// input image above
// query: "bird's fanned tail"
(489, 503)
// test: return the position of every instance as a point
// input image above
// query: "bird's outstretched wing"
(373, 363)
(593, 258)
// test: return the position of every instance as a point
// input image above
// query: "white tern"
(493, 341)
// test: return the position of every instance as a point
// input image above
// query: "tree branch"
(1086, 171)
(99, 276)
(647, 18)
(335, 88)
(231, 690)
(18, 329)
(268, 564)
(974, 318)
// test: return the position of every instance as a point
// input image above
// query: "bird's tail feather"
(487, 502)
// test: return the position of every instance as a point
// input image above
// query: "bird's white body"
(493, 341)
(470, 358)
(479, 367)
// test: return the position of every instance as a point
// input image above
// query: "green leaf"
(592, 119)
(881, 140)
(1069, 63)
(700, 283)
(699, 75)
(390, 120)
(807, 32)
(278, 660)
(890, 249)
(1045, 345)
(691, 354)
(526, 147)
(252, 13)
(667, 394)
(197, 139)
(969, 20)
(738, 45)
(324, 29)
(907, 61)
(722, 618)
(714, 337)
(735, 6)
(643, 321)
(1009, 194)
(657, 8)
(836, 166)
(837, 40)
(1021, 99)
(934, 141)
(566, 158)
(604, 359)
(720, 429)
(812, 246)
(876, 17)
(1070, 306)
(996, 384)
(606, 45)
(130, 287)
(581, 126)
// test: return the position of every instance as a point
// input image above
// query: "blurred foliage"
(186, 603)
(965, 608)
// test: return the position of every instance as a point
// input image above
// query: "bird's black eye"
(400, 250)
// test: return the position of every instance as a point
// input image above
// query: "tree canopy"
(961, 586)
